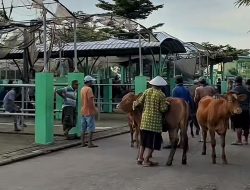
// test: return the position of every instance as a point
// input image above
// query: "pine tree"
(242, 3)
(131, 9)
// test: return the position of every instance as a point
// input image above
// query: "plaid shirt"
(154, 103)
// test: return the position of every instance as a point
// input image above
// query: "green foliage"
(240, 3)
(225, 50)
(233, 71)
(85, 33)
(151, 28)
(132, 9)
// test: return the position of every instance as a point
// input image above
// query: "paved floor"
(112, 166)
(106, 121)
(11, 142)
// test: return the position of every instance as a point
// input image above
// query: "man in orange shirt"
(88, 111)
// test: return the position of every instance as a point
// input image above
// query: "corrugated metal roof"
(169, 43)
(100, 45)
(173, 44)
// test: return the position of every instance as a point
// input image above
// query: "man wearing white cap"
(154, 102)
(88, 111)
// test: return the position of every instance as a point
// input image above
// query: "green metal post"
(224, 87)
(160, 63)
(123, 74)
(44, 120)
(211, 74)
(77, 76)
(107, 96)
(140, 84)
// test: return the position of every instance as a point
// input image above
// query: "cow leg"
(185, 147)
(131, 136)
(196, 124)
(224, 159)
(204, 136)
(137, 136)
(173, 136)
(191, 128)
(213, 144)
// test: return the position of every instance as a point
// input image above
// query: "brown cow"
(176, 119)
(213, 115)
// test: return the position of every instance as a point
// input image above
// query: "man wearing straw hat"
(154, 102)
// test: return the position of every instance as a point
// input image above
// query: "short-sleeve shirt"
(88, 105)
(70, 96)
(9, 101)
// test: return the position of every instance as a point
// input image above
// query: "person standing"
(10, 106)
(69, 112)
(203, 90)
(180, 91)
(230, 85)
(241, 121)
(154, 102)
(218, 85)
(88, 111)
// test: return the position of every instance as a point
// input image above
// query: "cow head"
(127, 102)
(233, 102)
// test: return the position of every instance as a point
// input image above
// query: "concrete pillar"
(140, 84)
(80, 77)
(44, 120)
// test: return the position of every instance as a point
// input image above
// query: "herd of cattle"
(213, 116)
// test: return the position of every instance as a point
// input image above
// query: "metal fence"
(99, 100)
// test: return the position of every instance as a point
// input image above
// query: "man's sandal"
(139, 162)
(150, 164)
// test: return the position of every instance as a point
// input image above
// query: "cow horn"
(235, 96)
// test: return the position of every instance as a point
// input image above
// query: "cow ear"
(242, 97)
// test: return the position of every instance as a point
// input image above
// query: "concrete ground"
(106, 121)
(112, 166)
(19, 143)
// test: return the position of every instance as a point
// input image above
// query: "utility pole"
(140, 55)
(75, 47)
(44, 42)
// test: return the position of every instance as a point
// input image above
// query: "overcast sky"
(215, 21)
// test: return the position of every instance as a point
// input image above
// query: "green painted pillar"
(155, 69)
(59, 100)
(212, 74)
(140, 84)
(107, 96)
(77, 76)
(209, 81)
(44, 120)
(123, 74)
(224, 87)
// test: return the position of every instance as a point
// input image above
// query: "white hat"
(158, 81)
(89, 79)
